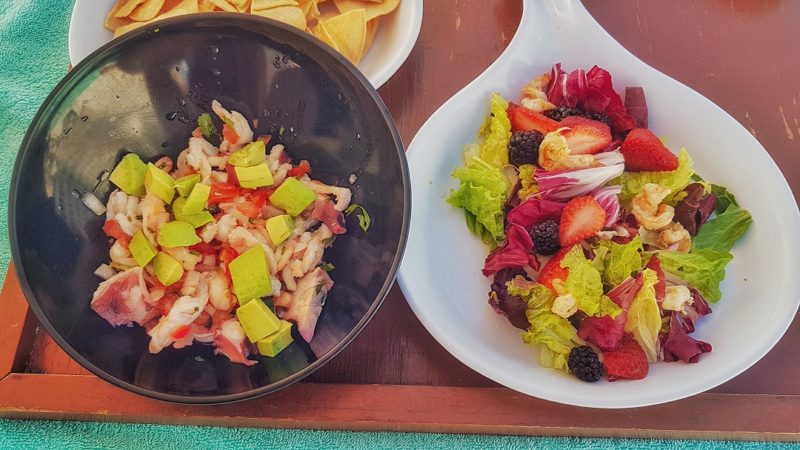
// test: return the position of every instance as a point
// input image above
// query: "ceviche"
(223, 246)
(607, 249)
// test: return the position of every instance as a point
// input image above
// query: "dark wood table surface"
(741, 54)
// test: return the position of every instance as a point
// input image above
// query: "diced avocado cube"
(250, 275)
(197, 220)
(292, 196)
(141, 249)
(197, 199)
(280, 228)
(255, 176)
(185, 184)
(257, 320)
(177, 234)
(251, 154)
(277, 341)
(129, 175)
(158, 182)
(168, 269)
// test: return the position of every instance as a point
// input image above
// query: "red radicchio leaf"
(696, 310)
(508, 305)
(636, 105)
(607, 333)
(516, 252)
(661, 286)
(533, 211)
(678, 345)
(604, 332)
(591, 91)
(695, 209)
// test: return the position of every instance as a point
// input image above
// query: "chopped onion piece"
(105, 271)
(93, 203)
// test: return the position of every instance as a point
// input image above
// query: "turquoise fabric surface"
(33, 58)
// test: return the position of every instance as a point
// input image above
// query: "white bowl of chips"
(376, 35)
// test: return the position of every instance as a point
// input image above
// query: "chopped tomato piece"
(165, 303)
(229, 134)
(249, 209)
(204, 248)
(232, 178)
(258, 197)
(222, 193)
(226, 256)
(112, 229)
(197, 133)
(304, 168)
(181, 332)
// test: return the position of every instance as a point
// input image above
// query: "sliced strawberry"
(586, 136)
(627, 361)
(582, 218)
(552, 269)
(524, 119)
(644, 152)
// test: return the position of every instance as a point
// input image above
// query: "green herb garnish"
(364, 219)
(327, 267)
(207, 125)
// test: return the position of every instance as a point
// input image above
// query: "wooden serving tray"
(394, 376)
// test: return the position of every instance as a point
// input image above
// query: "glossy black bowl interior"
(142, 94)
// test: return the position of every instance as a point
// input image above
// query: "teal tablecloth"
(33, 58)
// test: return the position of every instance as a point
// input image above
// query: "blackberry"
(561, 112)
(523, 148)
(545, 237)
(584, 364)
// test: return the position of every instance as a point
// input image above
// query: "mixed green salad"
(606, 248)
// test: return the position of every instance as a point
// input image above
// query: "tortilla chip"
(323, 35)
(310, 9)
(127, 8)
(224, 5)
(372, 9)
(291, 15)
(180, 8)
(205, 6)
(349, 32)
(372, 30)
(147, 10)
(240, 5)
(260, 5)
(112, 23)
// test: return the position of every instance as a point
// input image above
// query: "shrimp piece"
(231, 341)
(219, 177)
(279, 175)
(240, 124)
(312, 256)
(121, 255)
(124, 209)
(122, 299)
(193, 282)
(274, 157)
(197, 159)
(306, 303)
(154, 216)
(164, 163)
(184, 256)
(208, 232)
(183, 166)
(225, 225)
(219, 294)
(185, 311)
(343, 195)
(218, 161)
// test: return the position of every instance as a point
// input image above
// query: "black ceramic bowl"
(142, 93)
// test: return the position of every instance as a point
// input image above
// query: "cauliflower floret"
(677, 298)
(674, 233)
(533, 96)
(554, 154)
(648, 209)
(564, 306)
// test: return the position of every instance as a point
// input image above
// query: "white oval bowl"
(441, 271)
(394, 41)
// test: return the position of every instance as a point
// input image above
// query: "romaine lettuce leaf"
(583, 281)
(482, 194)
(495, 134)
(724, 198)
(703, 269)
(644, 318)
(722, 232)
(555, 333)
(625, 259)
(633, 182)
